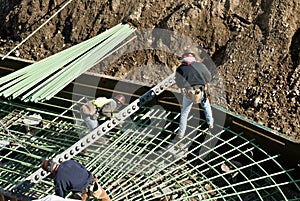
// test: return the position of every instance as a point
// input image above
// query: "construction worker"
(73, 176)
(192, 78)
(100, 107)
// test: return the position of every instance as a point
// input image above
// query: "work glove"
(95, 116)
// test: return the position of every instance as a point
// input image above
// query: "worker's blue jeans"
(91, 123)
(186, 108)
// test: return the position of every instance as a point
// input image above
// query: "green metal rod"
(54, 66)
(139, 141)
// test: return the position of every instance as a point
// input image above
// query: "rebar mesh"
(142, 159)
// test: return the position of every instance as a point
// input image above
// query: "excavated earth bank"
(255, 45)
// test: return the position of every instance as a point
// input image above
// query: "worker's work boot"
(84, 196)
(180, 135)
(99, 192)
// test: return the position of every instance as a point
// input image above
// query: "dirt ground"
(254, 44)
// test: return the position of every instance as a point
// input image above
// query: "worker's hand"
(95, 116)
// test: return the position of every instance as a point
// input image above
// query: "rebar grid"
(142, 159)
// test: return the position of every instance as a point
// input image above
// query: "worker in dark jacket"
(73, 176)
(92, 110)
(192, 78)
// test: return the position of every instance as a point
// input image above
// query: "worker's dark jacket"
(71, 176)
(192, 75)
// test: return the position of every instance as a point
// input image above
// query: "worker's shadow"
(202, 145)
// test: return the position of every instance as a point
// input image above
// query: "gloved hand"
(95, 116)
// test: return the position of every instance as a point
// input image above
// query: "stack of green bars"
(42, 80)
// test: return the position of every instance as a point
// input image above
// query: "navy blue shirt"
(192, 75)
(71, 176)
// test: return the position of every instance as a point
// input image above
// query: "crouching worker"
(100, 107)
(74, 177)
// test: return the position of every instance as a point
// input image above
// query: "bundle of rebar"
(40, 81)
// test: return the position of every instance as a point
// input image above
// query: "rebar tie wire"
(14, 137)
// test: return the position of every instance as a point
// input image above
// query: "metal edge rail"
(94, 135)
